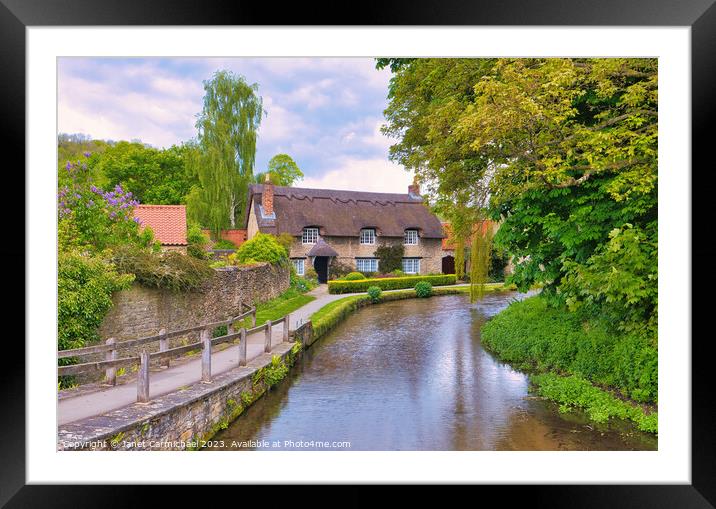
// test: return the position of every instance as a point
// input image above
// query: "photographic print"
(357, 254)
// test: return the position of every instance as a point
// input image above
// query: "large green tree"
(282, 171)
(563, 151)
(223, 156)
(152, 175)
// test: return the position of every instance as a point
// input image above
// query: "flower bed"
(388, 283)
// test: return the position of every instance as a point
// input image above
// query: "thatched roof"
(322, 249)
(344, 213)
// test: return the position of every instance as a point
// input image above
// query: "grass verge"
(287, 302)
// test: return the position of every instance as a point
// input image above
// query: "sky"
(326, 113)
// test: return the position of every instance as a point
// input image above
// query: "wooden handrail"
(89, 350)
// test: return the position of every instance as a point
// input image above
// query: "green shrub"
(286, 240)
(262, 248)
(423, 289)
(533, 335)
(397, 273)
(275, 372)
(388, 283)
(390, 257)
(600, 406)
(197, 242)
(219, 264)
(311, 274)
(84, 289)
(353, 276)
(224, 244)
(171, 270)
(336, 269)
(374, 293)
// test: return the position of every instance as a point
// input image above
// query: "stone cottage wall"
(348, 248)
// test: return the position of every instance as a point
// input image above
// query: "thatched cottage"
(347, 226)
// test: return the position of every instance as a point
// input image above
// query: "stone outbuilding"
(347, 226)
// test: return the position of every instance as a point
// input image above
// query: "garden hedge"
(389, 283)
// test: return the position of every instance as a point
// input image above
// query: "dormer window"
(367, 236)
(309, 236)
(410, 238)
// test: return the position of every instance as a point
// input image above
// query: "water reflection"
(412, 375)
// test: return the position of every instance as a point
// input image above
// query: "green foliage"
(375, 292)
(302, 284)
(600, 406)
(262, 248)
(85, 284)
(286, 240)
(336, 269)
(223, 156)
(72, 147)
(619, 281)
(498, 261)
(224, 244)
(534, 335)
(388, 283)
(480, 249)
(275, 372)
(353, 276)
(423, 289)
(397, 273)
(390, 257)
(282, 171)
(152, 175)
(197, 242)
(170, 270)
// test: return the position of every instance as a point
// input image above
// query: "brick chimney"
(267, 196)
(414, 188)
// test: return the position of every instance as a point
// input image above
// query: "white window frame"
(373, 267)
(415, 264)
(309, 235)
(299, 262)
(409, 235)
(367, 232)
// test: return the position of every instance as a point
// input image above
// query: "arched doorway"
(320, 265)
(448, 264)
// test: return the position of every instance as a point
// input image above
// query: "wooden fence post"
(267, 337)
(285, 328)
(143, 378)
(206, 356)
(111, 373)
(164, 345)
(253, 318)
(242, 347)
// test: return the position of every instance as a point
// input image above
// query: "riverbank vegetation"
(561, 153)
(388, 283)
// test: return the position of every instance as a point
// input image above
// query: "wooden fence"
(165, 354)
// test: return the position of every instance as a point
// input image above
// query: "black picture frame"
(700, 15)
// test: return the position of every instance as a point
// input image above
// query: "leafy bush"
(84, 286)
(389, 283)
(171, 270)
(224, 244)
(600, 406)
(197, 242)
(218, 264)
(534, 335)
(275, 372)
(390, 257)
(301, 284)
(311, 274)
(336, 269)
(262, 248)
(423, 289)
(374, 293)
(353, 276)
(286, 240)
(397, 273)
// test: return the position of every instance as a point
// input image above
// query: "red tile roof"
(168, 222)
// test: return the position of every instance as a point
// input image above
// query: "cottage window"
(410, 238)
(310, 236)
(367, 264)
(367, 236)
(411, 265)
(299, 265)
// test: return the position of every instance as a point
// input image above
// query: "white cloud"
(377, 175)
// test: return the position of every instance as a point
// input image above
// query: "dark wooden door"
(320, 265)
(448, 265)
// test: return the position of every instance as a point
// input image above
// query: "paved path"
(186, 372)
(162, 380)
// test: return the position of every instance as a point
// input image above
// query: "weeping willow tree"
(480, 248)
(225, 151)
(460, 257)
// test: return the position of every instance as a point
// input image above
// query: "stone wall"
(140, 312)
(350, 248)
